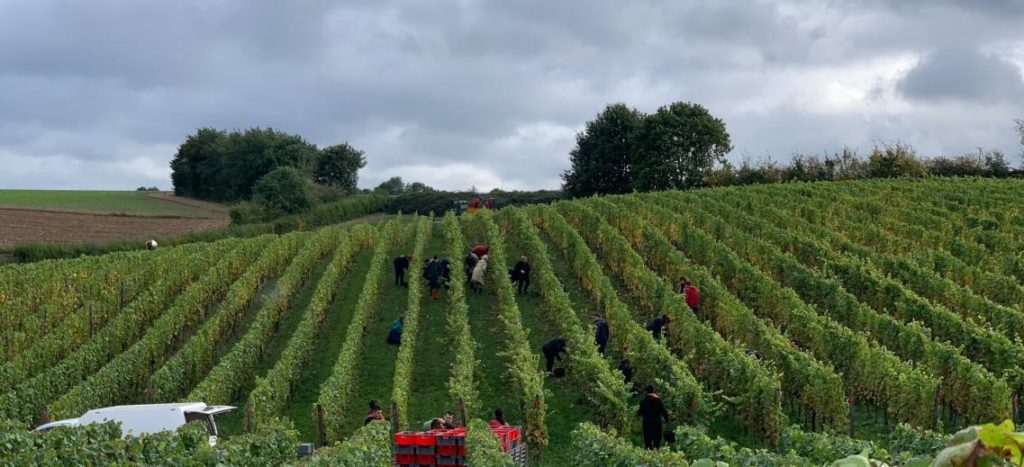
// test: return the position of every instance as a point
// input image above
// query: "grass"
(433, 358)
(234, 421)
(565, 409)
(377, 367)
(328, 344)
(135, 203)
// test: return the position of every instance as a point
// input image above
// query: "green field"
(134, 203)
(889, 308)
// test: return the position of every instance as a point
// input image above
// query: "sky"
(98, 94)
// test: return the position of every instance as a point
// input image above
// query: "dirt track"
(24, 225)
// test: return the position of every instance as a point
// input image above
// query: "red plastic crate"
(425, 459)
(405, 459)
(405, 438)
(451, 450)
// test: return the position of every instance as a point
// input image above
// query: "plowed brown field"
(25, 225)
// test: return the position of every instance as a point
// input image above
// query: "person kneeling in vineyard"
(395, 333)
(657, 324)
(553, 349)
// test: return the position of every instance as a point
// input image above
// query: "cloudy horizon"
(98, 95)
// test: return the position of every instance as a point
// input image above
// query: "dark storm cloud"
(963, 73)
(485, 93)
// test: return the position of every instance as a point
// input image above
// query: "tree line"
(280, 173)
(682, 146)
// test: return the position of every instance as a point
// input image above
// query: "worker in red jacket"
(690, 293)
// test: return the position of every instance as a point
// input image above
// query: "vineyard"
(835, 318)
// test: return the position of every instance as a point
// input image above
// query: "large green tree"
(602, 161)
(284, 191)
(676, 146)
(338, 166)
(196, 167)
(258, 151)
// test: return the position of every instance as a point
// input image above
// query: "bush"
(284, 191)
(248, 212)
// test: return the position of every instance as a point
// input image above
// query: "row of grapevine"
(996, 287)
(336, 391)
(522, 361)
(405, 361)
(971, 388)
(815, 387)
(921, 280)
(236, 369)
(651, 361)
(718, 363)
(196, 370)
(593, 447)
(986, 346)
(26, 401)
(124, 377)
(460, 385)
(369, 446)
(917, 223)
(482, 446)
(270, 397)
(63, 292)
(194, 360)
(598, 384)
(79, 327)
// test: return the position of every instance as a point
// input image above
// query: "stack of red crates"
(431, 448)
(445, 448)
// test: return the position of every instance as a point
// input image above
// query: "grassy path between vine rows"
(328, 344)
(433, 360)
(565, 410)
(492, 378)
(377, 368)
(234, 421)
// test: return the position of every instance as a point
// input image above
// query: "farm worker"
(446, 271)
(499, 419)
(521, 274)
(601, 333)
(477, 283)
(433, 275)
(657, 324)
(401, 264)
(440, 423)
(692, 296)
(553, 349)
(469, 264)
(395, 333)
(480, 250)
(375, 413)
(652, 410)
(627, 370)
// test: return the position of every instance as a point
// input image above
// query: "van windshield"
(211, 427)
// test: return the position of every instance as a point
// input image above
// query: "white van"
(149, 418)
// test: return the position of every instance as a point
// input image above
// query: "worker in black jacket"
(656, 325)
(601, 333)
(653, 411)
(401, 264)
(553, 349)
(521, 275)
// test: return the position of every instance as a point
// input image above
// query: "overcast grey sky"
(98, 94)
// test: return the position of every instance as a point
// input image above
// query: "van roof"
(149, 407)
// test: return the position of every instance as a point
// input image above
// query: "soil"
(26, 225)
